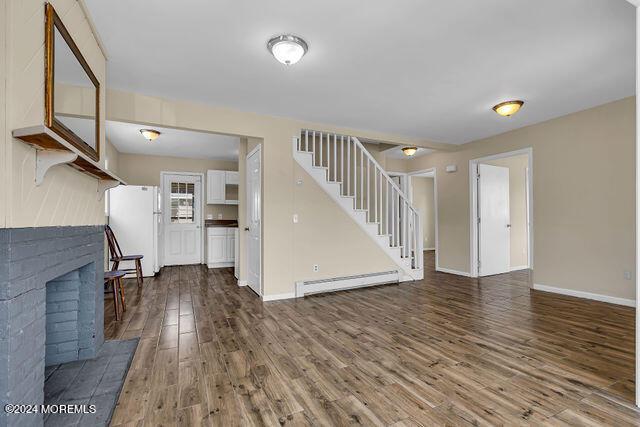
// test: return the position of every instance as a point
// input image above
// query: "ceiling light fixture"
(150, 134)
(409, 151)
(287, 49)
(508, 108)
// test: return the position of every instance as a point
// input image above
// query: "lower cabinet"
(221, 243)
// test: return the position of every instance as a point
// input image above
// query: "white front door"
(494, 228)
(254, 213)
(182, 202)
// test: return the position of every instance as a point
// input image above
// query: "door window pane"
(182, 206)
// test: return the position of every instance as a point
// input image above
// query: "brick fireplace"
(51, 307)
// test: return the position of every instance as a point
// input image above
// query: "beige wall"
(517, 166)
(138, 169)
(583, 198)
(327, 236)
(423, 200)
(4, 133)
(66, 197)
(276, 134)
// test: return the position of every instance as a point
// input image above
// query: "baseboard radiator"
(348, 282)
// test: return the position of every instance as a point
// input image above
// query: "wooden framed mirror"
(72, 91)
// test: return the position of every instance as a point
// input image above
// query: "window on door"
(182, 202)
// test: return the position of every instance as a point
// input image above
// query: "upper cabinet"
(232, 178)
(222, 187)
(215, 187)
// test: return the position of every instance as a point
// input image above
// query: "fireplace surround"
(51, 308)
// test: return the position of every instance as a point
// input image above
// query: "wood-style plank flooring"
(447, 350)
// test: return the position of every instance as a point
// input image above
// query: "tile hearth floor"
(89, 382)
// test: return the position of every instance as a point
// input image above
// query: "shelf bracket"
(104, 185)
(45, 160)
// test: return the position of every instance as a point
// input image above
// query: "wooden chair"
(114, 278)
(117, 257)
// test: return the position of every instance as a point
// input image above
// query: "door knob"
(508, 225)
(246, 229)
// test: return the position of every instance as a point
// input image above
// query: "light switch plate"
(295, 218)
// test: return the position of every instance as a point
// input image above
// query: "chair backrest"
(114, 247)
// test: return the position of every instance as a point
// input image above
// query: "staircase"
(357, 183)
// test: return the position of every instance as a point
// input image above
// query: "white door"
(182, 199)
(494, 228)
(253, 220)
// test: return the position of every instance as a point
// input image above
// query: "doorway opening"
(501, 213)
(422, 190)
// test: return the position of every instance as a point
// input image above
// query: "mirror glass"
(74, 93)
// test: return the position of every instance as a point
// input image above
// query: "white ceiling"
(126, 137)
(424, 68)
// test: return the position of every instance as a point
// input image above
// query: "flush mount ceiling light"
(150, 134)
(508, 108)
(409, 151)
(287, 49)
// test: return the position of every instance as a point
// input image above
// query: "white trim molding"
(456, 272)
(519, 267)
(277, 297)
(242, 283)
(586, 295)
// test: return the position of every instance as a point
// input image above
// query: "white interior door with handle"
(254, 218)
(182, 200)
(494, 228)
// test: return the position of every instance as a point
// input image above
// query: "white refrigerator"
(135, 218)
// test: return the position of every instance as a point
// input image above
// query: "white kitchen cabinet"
(222, 187)
(221, 242)
(216, 250)
(231, 178)
(216, 187)
(230, 251)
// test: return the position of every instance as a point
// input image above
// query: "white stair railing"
(362, 178)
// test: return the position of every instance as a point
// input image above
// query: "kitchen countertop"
(228, 223)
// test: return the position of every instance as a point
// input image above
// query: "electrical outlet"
(627, 275)
(219, 216)
(295, 218)
(316, 268)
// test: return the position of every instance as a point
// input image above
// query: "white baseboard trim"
(586, 295)
(519, 267)
(220, 264)
(242, 283)
(350, 282)
(429, 249)
(456, 272)
(276, 297)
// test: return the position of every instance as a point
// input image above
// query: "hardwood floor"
(447, 350)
